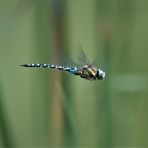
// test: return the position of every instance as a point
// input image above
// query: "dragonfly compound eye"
(100, 74)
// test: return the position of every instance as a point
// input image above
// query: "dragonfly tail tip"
(24, 65)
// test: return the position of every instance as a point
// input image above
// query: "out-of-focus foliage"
(47, 108)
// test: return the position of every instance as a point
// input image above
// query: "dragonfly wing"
(82, 58)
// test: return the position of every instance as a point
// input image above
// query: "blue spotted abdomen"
(73, 70)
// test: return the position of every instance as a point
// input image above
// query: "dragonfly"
(86, 71)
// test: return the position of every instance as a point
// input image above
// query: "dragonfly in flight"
(86, 71)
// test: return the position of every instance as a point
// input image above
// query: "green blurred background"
(46, 108)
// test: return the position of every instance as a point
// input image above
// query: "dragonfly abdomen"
(40, 65)
(73, 70)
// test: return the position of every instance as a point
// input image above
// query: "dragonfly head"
(100, 74)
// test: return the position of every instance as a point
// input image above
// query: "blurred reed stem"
(4, 124)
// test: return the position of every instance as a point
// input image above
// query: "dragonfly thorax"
(89, 72)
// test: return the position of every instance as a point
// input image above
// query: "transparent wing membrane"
(82, 58)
